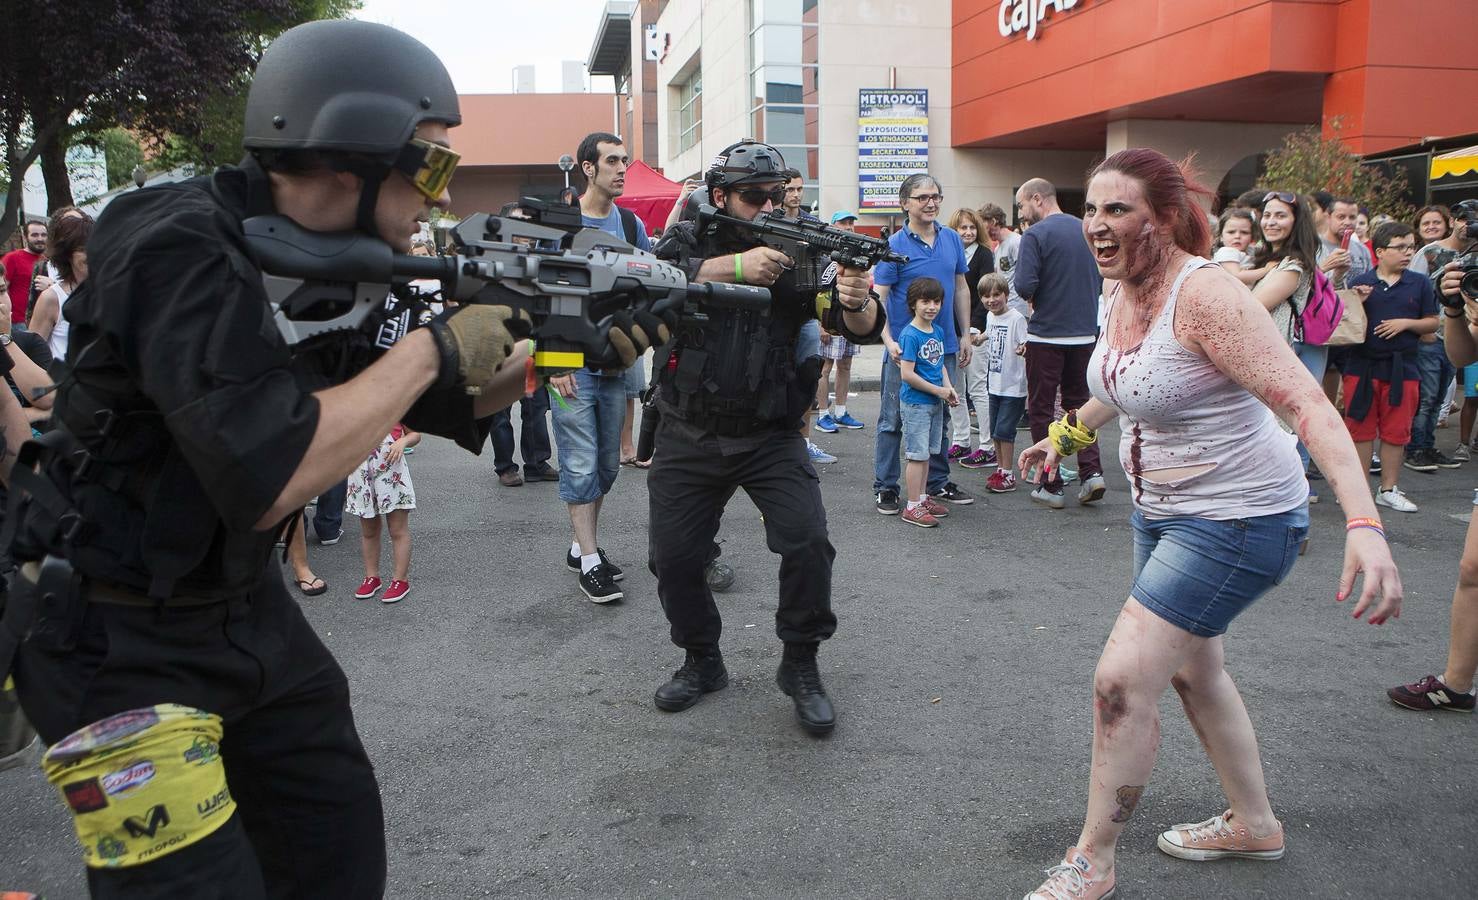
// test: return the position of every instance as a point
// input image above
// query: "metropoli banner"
(892, 144)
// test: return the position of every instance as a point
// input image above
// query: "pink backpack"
(1322, 313)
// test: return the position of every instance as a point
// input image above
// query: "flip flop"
(641, 464)
(306, 585)
(630, 461)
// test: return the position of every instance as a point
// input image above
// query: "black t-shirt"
(173, 325)
(34, 346)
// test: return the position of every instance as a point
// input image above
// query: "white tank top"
(58, 340)
(1177, 409)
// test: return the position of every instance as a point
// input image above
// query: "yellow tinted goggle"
(436, 167)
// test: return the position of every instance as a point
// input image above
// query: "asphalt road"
(519, 754)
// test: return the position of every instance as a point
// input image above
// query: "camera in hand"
(1465, 221)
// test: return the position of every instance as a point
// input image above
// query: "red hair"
(1168, 187)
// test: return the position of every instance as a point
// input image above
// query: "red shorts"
(1392, 424)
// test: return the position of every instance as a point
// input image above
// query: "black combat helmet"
(349, 86)
(746, 162)
(354, 91)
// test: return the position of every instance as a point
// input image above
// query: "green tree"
(152, 66)
(1309, 162)
(123, 154)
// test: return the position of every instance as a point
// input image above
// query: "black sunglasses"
(756, 197)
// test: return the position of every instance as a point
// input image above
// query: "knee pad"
(142, 784)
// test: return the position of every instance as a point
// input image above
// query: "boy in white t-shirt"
(1005, 344)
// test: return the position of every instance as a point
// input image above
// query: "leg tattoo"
(1128, 797)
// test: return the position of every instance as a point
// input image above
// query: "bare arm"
(1275, 288)
(14, 431)
(43, 316)
(355, 416)
(30, 378)
(962, 316)
(1458, 330)
(890, 345)
(1217, 317)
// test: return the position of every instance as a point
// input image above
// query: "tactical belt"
(95, 591)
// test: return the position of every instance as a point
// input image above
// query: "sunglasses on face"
(755, 197)
(429, 166)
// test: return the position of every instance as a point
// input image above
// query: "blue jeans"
(534, 437)
(1198, 574)
(923, 428)
(886, 467)
(328, 516)
(1435, 370)
(1316, 360)
(587, 427)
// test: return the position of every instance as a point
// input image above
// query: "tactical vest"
(734, 371)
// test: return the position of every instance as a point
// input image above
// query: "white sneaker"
(1048, 499)
(1395, 500)
(1462, 453)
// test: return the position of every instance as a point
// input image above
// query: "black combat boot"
(702, 673)
(799, 678)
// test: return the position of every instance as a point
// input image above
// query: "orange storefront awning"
(1454, 162)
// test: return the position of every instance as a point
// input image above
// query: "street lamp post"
(566, 163)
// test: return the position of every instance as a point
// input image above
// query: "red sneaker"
(919, 515)
(935, 508)
(396, 592)
(368, 588)
(1000, 482)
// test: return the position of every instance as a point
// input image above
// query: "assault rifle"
(814, 247)
(570, 280)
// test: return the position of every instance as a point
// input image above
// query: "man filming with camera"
(731, 395)
(1457, 290)
(159, 651)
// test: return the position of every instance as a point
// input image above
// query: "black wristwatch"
(866, 302)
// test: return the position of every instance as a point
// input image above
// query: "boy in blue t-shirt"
(925, 384)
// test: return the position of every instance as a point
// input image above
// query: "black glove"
(633, 332)
(475, 340)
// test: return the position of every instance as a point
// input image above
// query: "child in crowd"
(925, 384)
(381, 486)
(1236, 233)
(1005, 346)
(1380, 375)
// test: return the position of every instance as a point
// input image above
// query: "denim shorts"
(635, 379)
(808, 342)
(1199, 574)
(1005, 412)
(923, 429)
(587, 428)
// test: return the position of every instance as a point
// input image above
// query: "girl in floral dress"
(381, 486)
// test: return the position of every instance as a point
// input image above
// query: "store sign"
(892, 144)
(1017, 16)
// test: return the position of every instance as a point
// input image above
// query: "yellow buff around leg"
(143, 783)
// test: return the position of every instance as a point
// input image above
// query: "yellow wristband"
(738, 268)
(1068, 437)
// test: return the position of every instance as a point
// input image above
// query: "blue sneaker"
(847, 421)
(818, 455)
(826, 423)
(1067, 474)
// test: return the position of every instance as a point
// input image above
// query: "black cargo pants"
(688, 488)
(308, 820)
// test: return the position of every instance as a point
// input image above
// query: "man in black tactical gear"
(731, 397)
(189, 435)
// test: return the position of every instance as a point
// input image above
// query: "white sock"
(575, 549)
(839, 410)
(914, 504)
(588, 562)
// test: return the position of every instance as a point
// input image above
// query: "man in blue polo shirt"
(938, 252)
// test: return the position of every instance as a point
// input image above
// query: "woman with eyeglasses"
(1196, 375)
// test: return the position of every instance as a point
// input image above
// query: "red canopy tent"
(648, 194)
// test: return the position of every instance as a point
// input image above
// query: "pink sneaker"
(368, 588)
(957, 452)
(919, 516)
(396, 592)
(1220, 838)
(936, 509)
(1074, 879)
